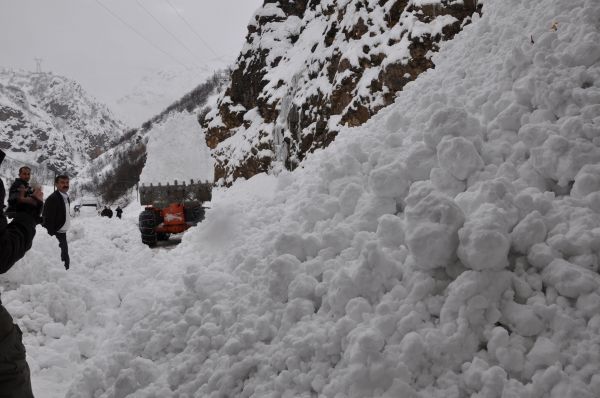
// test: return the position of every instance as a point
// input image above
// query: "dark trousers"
(15, 380)
(64, 248)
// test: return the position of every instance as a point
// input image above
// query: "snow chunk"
(528, 231)
(419, 161)
(587, 181)
(569, 279)
(561, 159)
(453, 122)
(390, 230)
(432, 230)
(390, 181)
(281, 273)
(522, 319)
(484, 239)
(498, 192)
(54, 329)
(543, 353)
(459, 156)
(446, 182)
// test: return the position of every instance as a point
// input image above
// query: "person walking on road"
(57, 217)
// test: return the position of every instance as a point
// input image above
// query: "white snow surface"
(156, 90)
(176, 150)
(386, 266)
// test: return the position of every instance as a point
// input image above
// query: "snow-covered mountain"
(49, 119)
(154, 91)
(310, 67)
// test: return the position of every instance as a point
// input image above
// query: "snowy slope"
(176, 150)
(49, 119)
(153, 92)
(448, 248)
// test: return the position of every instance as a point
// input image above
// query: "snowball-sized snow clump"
(432, 230)
(484, 239)
(587, 181)
(452, 122)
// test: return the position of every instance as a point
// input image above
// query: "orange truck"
(171, 209)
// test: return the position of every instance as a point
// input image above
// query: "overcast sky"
(106, 45)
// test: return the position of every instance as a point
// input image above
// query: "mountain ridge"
(50, 120)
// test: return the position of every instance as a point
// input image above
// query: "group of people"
(26, 208)
(107, 212)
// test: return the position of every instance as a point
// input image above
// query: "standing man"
(20, 194)
(15, 240)
(119, 211)
(57, 217)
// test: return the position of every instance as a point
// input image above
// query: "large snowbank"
(449, 248)
(176, 150)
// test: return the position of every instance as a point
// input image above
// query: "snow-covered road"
(65, 315)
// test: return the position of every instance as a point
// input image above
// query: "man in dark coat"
(15, 240)
(119, 211)
(16, 200)
(57, 217)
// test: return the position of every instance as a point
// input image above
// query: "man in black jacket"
(17, 201)
(15, 240)
(57, 217)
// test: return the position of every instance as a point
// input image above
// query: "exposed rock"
(309, 67)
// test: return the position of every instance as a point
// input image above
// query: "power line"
(192, 29)
(165, 28)
(139, 34)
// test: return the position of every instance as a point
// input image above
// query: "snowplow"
(171, 209)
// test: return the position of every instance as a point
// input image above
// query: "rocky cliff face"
(309, 67)
(50, 120)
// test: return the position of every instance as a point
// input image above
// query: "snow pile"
(449, 248)
(176, 150)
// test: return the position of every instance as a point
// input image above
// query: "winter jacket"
(15, 238)
(54, 213)
(13, 197)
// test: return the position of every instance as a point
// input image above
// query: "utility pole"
(38, 66)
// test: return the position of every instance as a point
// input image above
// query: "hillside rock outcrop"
(309, 67)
